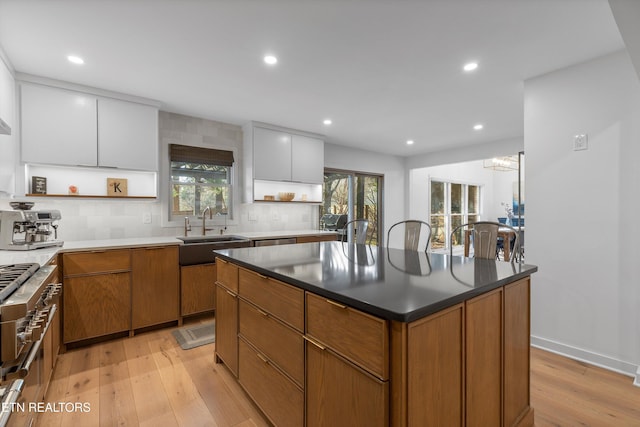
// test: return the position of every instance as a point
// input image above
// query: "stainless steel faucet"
(204, 217)
(187, 226)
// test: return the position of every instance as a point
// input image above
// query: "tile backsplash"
(89, 219)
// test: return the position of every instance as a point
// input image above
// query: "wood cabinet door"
(197, 288)
(155, 287)
(127, 135)
(227, 328)
(516, 350)
(96, 305)
(483, 353)
(340, 394)
(271, 155)
(58, 126)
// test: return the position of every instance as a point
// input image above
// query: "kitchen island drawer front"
(360, 337)
(276, 298)
(227, 274)
(318, 238)
(278, 342)
(275, 394)
(80, 263)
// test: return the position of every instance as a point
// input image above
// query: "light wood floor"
(148, 380)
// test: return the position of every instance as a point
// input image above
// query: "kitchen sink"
(199, 249)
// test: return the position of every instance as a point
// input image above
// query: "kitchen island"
(340, 334)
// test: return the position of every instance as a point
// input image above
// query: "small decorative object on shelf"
(73, 190)
(286, 197)
(269, 197)
(38, 185)
(117, 187)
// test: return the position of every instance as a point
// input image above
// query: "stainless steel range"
(28, 302)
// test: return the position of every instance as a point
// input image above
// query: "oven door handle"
(23, 371)
(12, 396)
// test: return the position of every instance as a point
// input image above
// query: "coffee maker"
(23, 229)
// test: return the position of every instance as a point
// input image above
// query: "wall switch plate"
(580, 142)
(146, 218)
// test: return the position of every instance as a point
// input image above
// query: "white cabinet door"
(307, 159)
(127, 135)
(271, 155)
(58, 126)
(7, 96)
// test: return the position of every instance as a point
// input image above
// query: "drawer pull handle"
(336, 304)
(317, 344)
(262, 276)
(265, 314)
(261, 357)
(231, 293)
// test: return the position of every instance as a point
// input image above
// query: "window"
(452, 204)
(351, 195)
(200, 177)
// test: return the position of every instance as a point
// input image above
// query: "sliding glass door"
(351, 195)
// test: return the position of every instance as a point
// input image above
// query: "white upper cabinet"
(271, 155)
(127, 135)
(65, 127)
(7, 96)
(307, 159)
(58, 126)
(280, 160)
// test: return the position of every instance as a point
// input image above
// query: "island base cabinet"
(434, 389)
(227, 328)
(340, 394)
(276, 395)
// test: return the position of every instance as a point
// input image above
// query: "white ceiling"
(383, 71)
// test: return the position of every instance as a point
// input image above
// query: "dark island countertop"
(389, 283)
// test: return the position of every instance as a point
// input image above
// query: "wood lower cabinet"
(197, 289)
(155, 291)
(96, 298)
(96, 305)
(227, 315)
(317, 238)
(281, 400)
(340, 393)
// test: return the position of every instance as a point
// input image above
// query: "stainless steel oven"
(28, 304)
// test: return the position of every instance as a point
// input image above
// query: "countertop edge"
(377, 311)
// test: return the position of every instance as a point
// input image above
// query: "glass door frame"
(351, 200)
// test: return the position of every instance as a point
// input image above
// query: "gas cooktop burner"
(12, 276)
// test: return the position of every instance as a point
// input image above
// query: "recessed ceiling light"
(410, 142)
(327, 121)
(75, 59)
(470, 66)
(478, 127)
(270, 59)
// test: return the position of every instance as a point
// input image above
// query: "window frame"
(165, 190)
(448, 215)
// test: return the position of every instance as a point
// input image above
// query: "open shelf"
(89, 196)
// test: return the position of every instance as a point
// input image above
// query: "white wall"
(582, 229)
(391, 167)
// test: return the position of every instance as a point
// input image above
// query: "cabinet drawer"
(80, 263)
(227, 274)
(276, 298)
(319, 238)
(280, 343)
(360, 337)
(278, 397)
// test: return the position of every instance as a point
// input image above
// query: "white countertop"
(42, 256)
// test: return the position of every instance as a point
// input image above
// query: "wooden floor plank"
(148, 380)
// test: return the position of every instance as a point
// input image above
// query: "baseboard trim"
(605, 362)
